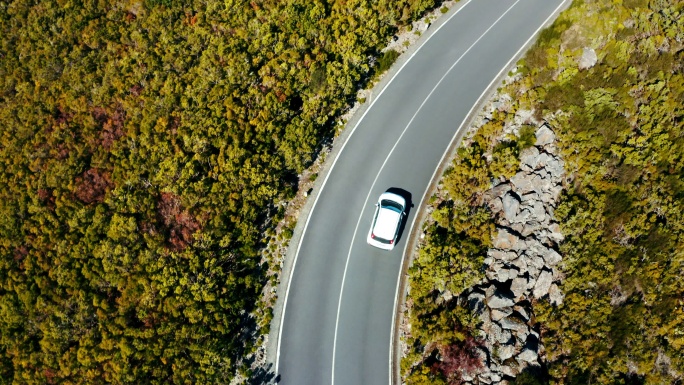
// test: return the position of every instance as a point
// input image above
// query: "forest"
(147, 149)
(620, 130)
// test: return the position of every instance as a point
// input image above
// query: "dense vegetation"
(620, 130)
(146, 148)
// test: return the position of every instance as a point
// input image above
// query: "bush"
(386, 60)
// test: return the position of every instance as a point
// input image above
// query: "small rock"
(528, 355)
(538, 212)
(543, 173)
(515, 325)
(533, 196)
(498, 301)
(588, 59)
(500, 189)
(543, 284)
(529, 158)
(540, 185)
(523, 183)
(544, 135)
(502, 255)
(551, 257)
(518, 227)
(555, 295)
(519, 286)
(522, 217)
(489, 291)
(493, 332)
(504, 336)
(507, 240)
(495, 205)
(500, 313)
(536, 260)
(555, 234)
(521, 264)
(510, 370)
(505, 352)
(510, 206)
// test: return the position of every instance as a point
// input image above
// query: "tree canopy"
(146, 146)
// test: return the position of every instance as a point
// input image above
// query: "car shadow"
(409, 204)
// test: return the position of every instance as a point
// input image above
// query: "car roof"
(386, 224)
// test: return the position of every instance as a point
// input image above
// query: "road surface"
(339, 307)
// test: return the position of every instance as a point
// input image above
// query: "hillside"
(607, 78)
(147, 149)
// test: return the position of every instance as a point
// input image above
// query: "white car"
(389, 212)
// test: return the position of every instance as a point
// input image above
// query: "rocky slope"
(521, 265)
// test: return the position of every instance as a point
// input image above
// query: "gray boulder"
(511, 204)
(543, 284)
(532, 196)
(502, 255)
(522, 183)
(555, 233)
(529, 158)
(522, 217)
(515, 325)
(555, 295)
(498, 301)
(507, 240)
(511, 370)
(495, 205)
(504, 336)
(544, 135)
(588, 59)
(554, 166)
(528, 355)
(519, 286)
(538, 212)
(530, 228)
(505, 352)
(551, 257)
(500, 313)
(521, 264)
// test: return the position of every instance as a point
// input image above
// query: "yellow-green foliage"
(619, 126)
(621, 136)
(144, 147)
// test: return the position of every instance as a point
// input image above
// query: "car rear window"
(391, 205)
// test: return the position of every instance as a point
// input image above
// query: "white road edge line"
(308, 218)
(396, 143)
(460, 127)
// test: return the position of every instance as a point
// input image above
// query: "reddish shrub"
(112, 125)
(179, 224)
(458, 359)
(92, 186)
(47, 197)
(20, 253)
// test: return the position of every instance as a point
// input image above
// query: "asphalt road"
(339, 308)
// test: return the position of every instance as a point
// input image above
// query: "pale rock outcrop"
(522, 265)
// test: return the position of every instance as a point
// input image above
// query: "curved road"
(339, 306)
